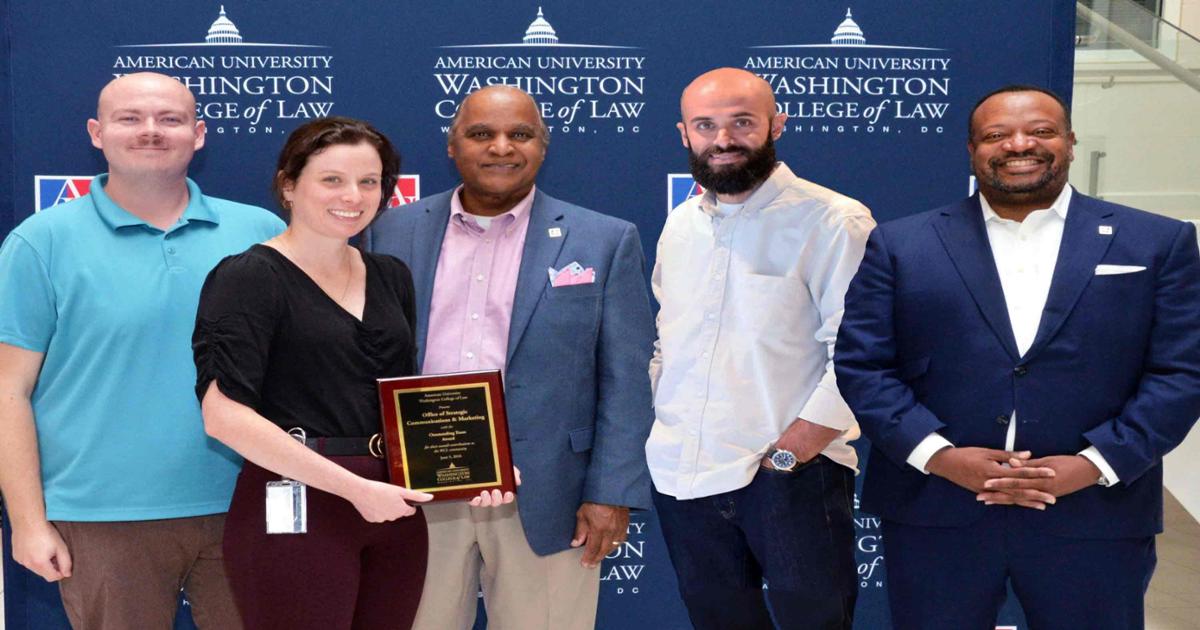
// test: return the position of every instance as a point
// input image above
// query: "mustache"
(711, 151)
(1044, 155)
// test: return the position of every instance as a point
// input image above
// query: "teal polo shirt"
(111, 302)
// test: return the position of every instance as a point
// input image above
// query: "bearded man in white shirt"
(749, 453)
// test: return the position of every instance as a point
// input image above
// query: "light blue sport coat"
(576, 383)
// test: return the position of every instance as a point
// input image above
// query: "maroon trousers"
(345, 573)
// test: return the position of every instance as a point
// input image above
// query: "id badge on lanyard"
(287, 502)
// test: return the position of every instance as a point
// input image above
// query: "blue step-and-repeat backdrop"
(880, 115)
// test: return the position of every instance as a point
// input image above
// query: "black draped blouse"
(275, 342)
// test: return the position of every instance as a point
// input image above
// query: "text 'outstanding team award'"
(447, 434)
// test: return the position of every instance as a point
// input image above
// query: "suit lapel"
(541, 250)
(1082, 247)
(430, 230)
(962, 233)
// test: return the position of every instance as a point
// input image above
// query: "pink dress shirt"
(473, 289)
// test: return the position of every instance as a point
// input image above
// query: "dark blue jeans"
(792, 529)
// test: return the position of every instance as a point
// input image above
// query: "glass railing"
(1137, 108)
(1136, 114)
(1137, 17)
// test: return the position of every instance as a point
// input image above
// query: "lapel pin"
(1106, 230)
(557, 232)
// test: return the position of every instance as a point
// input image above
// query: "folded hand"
(1071, 474)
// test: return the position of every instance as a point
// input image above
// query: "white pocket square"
(1112, 270)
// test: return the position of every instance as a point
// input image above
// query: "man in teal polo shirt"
(112, 487)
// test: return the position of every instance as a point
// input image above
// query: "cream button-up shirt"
(751, 300)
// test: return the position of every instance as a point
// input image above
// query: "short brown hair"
(317, 135)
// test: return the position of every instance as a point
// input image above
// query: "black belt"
(343, 446)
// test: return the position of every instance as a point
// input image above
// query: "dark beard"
(736, 179)
(1047, 177)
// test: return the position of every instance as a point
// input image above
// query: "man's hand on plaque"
(493, 498)
(601, 528)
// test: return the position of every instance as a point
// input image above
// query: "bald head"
(494, 95)
(729, 126)
(499, 91)
(128, 87)
(146, 126)
(728, 85)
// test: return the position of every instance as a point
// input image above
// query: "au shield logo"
(51, 190)
(680, 188)
(408, 190)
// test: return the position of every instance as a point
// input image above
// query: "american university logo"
(539, 34)
(581, 88)
(680, 188)
(850, 84)
(51, 190)
(407, 190)
(241, 87)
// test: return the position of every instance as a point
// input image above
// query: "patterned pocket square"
(571, 275)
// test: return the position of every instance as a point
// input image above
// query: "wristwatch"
(782, 459)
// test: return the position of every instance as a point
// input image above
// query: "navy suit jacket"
(926, 345)
(576, 385)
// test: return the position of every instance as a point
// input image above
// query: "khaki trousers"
(472, 547)
(128, 574)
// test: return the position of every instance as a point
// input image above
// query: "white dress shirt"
(751, 299)
(1025, 253)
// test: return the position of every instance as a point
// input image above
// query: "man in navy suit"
(1021, 361)
(509, 277)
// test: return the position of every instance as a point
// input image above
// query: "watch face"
(783, 460)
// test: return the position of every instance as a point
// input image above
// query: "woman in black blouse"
(290, 337)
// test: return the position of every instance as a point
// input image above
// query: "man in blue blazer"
(555, 295)
(1021, 361)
